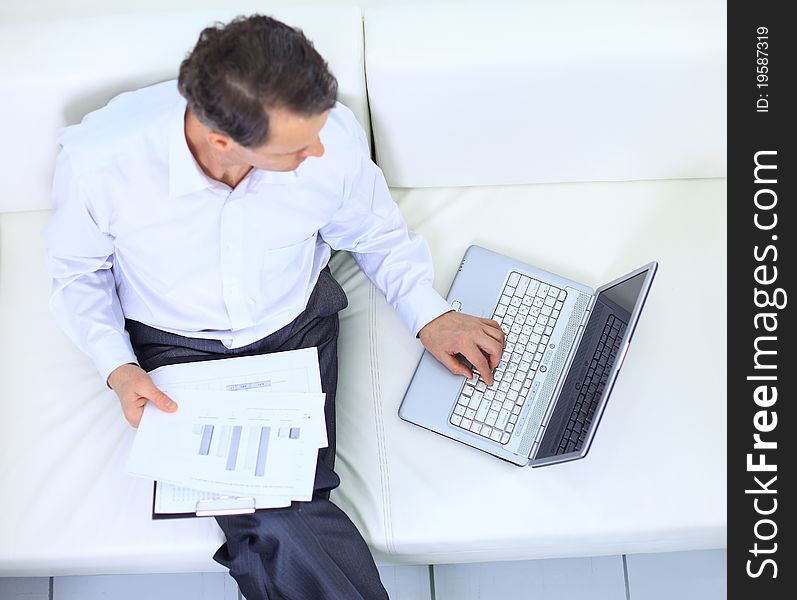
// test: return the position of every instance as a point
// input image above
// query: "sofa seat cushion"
(68, 506)
(654, 479)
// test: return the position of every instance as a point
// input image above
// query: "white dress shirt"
(140, 232)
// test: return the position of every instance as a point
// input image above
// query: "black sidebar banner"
(762, 431)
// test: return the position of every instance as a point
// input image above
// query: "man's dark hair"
(238, 72)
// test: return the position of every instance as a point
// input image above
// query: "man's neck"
(207, 158)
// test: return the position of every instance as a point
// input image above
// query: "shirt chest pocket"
(282, 268)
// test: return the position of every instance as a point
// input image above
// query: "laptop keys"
(527, 311)
(575, 432)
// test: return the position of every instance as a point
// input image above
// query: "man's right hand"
(135, 388)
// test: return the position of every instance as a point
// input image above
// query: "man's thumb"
(163, 401)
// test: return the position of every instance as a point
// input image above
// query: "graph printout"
(229, 443)
(295, 371)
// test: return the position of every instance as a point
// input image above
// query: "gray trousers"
(311, 550)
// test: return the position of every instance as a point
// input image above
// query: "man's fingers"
(161, 400)
(490, 322)
(134, 418)
(456, 366)
(481, 341)
(493, 349)
(479, 361)
(494, 331)
(135, 388)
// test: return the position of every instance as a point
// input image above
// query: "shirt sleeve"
(369, 225)
(79, 259)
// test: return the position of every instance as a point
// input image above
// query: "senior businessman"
(195, 219)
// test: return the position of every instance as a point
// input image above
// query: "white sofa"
(600, 132)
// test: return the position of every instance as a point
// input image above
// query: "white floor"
(696, 575)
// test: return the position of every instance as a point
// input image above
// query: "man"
(195, 221)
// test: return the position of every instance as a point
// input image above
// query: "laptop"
(565, 346)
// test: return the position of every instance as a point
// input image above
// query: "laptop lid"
(618, 302)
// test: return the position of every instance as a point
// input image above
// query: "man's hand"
(135, 388)
(479, 340)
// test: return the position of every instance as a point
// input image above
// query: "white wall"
(21, 11)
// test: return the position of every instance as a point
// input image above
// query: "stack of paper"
(246, 434)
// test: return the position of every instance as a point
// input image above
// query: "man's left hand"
(479, 340)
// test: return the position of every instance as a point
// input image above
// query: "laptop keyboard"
(592, 387)
(527, 312)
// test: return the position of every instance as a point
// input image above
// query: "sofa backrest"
(541, 91)
(53, 73)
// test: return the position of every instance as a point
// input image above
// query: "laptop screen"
(626, 293)
(579, 403)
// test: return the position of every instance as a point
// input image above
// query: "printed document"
(246, 426)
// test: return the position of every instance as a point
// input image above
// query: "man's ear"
(219, 141)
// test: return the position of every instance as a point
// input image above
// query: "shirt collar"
(260, 176)
(186, 176)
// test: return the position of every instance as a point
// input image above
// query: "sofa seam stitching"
(379, 425)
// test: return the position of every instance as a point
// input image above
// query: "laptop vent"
(533, 420)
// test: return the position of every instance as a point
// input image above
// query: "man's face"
(292, 139)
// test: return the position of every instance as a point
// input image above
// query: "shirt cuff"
(421, 306)
(109, 354)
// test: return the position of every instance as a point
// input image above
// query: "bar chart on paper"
(232, 443)
(231, 447)
(246, 427)
(238, 448)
